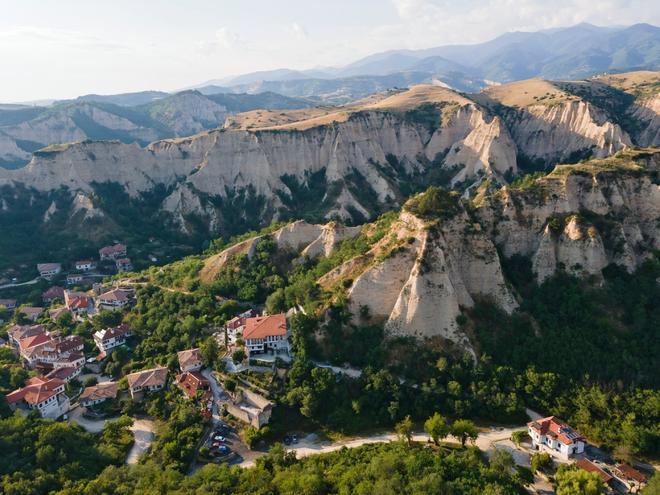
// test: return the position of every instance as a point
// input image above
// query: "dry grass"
(632, 82)
(526, 93)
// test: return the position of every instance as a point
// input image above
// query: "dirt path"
(143, 431)
(310, 445)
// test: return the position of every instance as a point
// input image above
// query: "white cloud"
(298, 31)
(223, 39)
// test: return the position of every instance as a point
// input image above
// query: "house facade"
(77, 302)
(74, 278)
(146, 381)
(109, 338)
(266, 333)
(45, 395)
(98, 393)
(8, 303)
(52, 293)
(49, 270)
(555, 437)
(112, 252)
(114, 299)
(84, 265)
(124, 265)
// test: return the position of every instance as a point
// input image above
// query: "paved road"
(29, 282)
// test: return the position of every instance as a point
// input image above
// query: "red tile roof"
(39, 339)
(36, 390)
(590, 467)
(147, 378)
(63, 373)
(52, 293)
(105, 390)
(114, 249)
(555, 428)
(190, 382)
(114, 332)
(265, 326)
(114, 295)
(632, 473)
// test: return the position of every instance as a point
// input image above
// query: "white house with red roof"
(84, 265)
(555, 437)
(18, 332)
(109, 338)
(113, 299)
(45, 395)
(112, 252)
(150, 380)
(52, 293)
(78, 303)
(49, 270)
(266, 333)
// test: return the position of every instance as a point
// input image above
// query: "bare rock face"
(556, 132)
(189, 112)
(580, 218)
(647, 112)
(421, 277)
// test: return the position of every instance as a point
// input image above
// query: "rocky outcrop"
(565, 130)
(647, 113)
(188, 112)
(581, 217)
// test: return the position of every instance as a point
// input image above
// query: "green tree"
(209, 351)
(501, 461)
(518, 436)
(465, 430)
(238, 356)
(541, 461)
(436, 427)
(404, 429)
(573, 481)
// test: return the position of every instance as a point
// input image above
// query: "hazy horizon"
(64, 49)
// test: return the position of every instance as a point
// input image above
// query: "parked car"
(294, 438)
(287, 440)
(219, 438)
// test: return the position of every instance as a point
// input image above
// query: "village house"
(124, 265)
(193, 383)
(74, 278)
(555, 437)
(45, 395)
(114, 299)
(49, 270)
(113, 252)
(84, 265)
(98, 393)
(32, 313)
(190, 360)
(144, 381)
(18, 332)
(47, 351)
(8, 303)
(52, 293)
(65, 374)
(78, 303)
(266, 333)
(72, 359)
(250, 407)
(633, 479)
(109, 338)
(38, 349)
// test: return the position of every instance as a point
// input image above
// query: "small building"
(65, 374)
(70, 360)
(590, 467)
(124, 265)
(78, 303)
(32, 313)
(52, 293)
(250, 407)
(8, 303)
(98, 393)
(45, 395)
(17, 333)
(114, 299)
(631, 477)
(555, 437)
(84, 265)
(194, 385)
(74, 278)
(109, 338)
(266, 333)
(146, 381)
(190, 360)
(49, 270)
(113, 252)
(235, 324)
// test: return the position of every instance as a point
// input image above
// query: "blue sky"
(65, 48)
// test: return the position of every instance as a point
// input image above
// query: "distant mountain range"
(567, 53)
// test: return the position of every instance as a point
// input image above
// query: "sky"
(66, 48)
